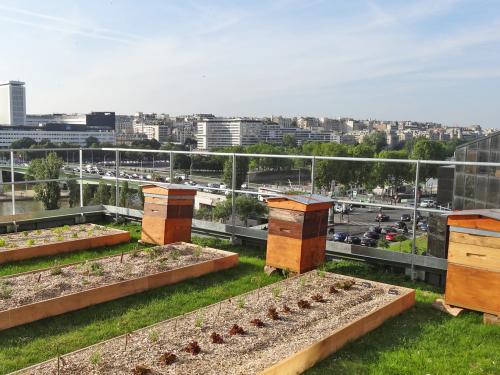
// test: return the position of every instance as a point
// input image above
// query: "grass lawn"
(405, 246)
(421, 341)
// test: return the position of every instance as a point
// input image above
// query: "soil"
(19, 240)
(249, 353)
(31, 287)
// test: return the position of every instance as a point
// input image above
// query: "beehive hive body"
(473, 277)
(168, 214)
(297, 234)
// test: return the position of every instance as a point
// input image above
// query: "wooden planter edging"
(66, 246)
(299, 362)
(304, 359)
(75, 301)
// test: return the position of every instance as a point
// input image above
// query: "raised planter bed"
(40, 294)
(44, 242)
(313, 317)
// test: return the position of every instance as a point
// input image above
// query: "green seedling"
(276, 292)
(95, 358)
(154, 335)
(240, 302)
(197, 251)
(30, 242)
(2, 242)
(74, 235)
(96, 269)
(60, 238)
(56, 270)
(198, 322)
(26, 234)
(175, 254)
(5, 290)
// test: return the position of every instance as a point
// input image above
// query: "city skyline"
(433, 61)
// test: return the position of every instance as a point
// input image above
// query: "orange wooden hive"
(168, 213)
(297, 232)
(473, 277)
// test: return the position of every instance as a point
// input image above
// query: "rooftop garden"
(421, 341)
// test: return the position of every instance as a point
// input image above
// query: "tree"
(425, 149)
(47, 169)
(124, 194)
(241, 171)
(74, 192)
(203, 213)
(91, 141)
(222, 210)
(23, 143)
(246, 206)
(377, 140)
(112, 197)
(289, 140)
(102, 194)
(88, 194)
(140, 195)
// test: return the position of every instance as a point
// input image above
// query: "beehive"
(168, 213)
(473, 277)
(297, 232)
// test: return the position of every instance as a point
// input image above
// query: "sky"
(428, 60)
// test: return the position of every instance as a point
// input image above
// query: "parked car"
(355, 240)
(375, 229)
(340, 236)
(400, 225)
(390, 236)
(386, 230)
(382, 217)
(365, 241)
(372, 235)
(406, 217)
(423, 227)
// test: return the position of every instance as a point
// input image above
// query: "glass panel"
(470, 184)
(469, 204)
(481, 188)
(460, 184)
(460, 156)
(483, 156)
(494, 191)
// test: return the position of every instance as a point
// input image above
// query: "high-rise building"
(222, 132)
(12, 103)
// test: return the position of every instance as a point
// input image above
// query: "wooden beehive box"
(297, 232)
(473, 277)
(168, 213)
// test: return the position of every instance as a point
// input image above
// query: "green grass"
(421, 341)
(405, 246)
(46, 262)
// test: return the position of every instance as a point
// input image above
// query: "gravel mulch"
(242, 335)
(39, 237)
(23, 289)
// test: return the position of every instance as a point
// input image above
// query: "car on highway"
(340, 236)
(355, 240)
(427, 203)
(373, 235)
(382, 217)
(390, 237)
(406, 217)
(365, 241)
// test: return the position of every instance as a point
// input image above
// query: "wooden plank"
(307, 358)
(491, 319)
(285, 228)
(283, 252)
(474, 256)
(286, 215)
(70, 245)
(472, 239)
(475, 222)
(473, 288)
(313, 253)
(75, 301)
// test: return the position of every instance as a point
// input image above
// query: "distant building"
(223, 132)
(69, 134)
(12, 103)
(154, 126)
(101, 121)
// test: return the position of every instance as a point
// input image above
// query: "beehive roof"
(159, 188)
(487, 219)
(296, 202)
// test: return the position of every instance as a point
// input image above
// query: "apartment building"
(223, 132)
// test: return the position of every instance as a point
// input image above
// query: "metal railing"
(233, 189)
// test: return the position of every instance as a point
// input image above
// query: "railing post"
(81, 178)
(233, 200)
(171, 167)
(414, 226)
(313, 167)
(13, 189)
(117, 181)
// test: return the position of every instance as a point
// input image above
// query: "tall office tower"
(12, 103)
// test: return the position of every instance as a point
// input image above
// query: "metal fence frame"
(233, 190)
